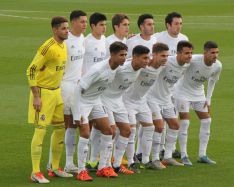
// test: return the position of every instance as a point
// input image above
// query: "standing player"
(95, 52)
(138, 109)
(145, 37)
(45, 103)
(88, 102)
(160, 103)
(190, 92)
(112, 100)
(95, 42)
(146, 25)
(72, 74)
(171, 37)
(120, 25)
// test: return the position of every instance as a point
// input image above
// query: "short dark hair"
(170, 16)
(140, 50)
(117, 47)
(117, 19)
(183, 44)
(96, 17)
(159, 47)
(209, 45)
(143, 17)
(76, 14)
(56, 21)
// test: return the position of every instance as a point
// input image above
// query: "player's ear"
(116, 27)
(92, 26)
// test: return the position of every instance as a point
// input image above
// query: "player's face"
(123, 28)
(141, 61)
(61, 32)
(100, 28)
(186, 55)
(175, 27)
(119, 58)
(160, 59)
(147, 27)
(80, 24)
(211, 55)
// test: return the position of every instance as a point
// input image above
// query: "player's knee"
(159, 129)
(126, 132)
(84, 131)
(107, 131)
(206, 121)
(174, 126)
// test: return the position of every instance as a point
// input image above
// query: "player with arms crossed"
(190, 92)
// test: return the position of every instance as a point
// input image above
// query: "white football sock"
(70, 143)
(120, 148)
(95, 138)
(105, 146)
(183, 137)
(130, 150)
(156, 146)
(163, 136)
(108, 163)
(204, 136)
(82, 151)
(146, 143)
(171, 137)
(139, 136)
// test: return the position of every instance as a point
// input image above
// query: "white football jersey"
(111, 39)
(138, 40)
(95, 51)
(191, 86)
(95, 81)
(112, 96)
(136, 92)
(161, 91)
(75, 55)
(164, 37)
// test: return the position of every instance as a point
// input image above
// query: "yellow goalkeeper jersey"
(47, 67)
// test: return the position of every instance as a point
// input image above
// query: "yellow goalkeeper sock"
(36, 147)
(57, 142)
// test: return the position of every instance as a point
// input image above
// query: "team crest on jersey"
(81, 119)
(197, 71)
(154, 115)
(43, 117)
(72, 47)
(182, 107)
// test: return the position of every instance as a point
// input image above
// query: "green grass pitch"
(25, 25)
